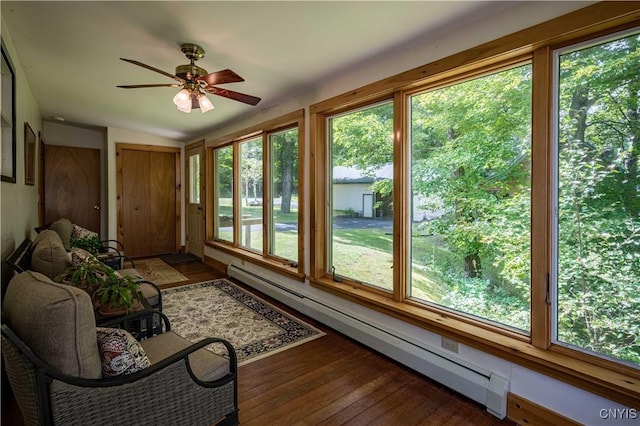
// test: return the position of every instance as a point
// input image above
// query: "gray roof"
(351, 174)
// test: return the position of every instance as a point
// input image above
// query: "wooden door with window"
(148, 185)
(72, 185)
(195, 199)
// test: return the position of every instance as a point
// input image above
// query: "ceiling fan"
(195, 82)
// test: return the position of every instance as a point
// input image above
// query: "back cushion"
(56, 321)
(63, 227)
(49, 256)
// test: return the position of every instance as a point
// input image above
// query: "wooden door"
(195, 200)
(72, 185)
(148, 199)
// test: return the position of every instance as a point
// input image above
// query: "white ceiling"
(70, 51)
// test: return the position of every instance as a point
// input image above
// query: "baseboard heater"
(483, 386)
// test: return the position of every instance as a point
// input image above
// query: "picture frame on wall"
(29, 155)
(8, 119)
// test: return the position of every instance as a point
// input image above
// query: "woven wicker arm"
(167, 392)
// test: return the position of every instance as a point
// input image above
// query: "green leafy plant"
(89, 275)
(91, 244)
(118, 293)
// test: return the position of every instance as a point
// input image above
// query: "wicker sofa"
(48, 255)
(55, 365)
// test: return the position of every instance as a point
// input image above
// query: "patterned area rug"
(219, 308)
(158, 272)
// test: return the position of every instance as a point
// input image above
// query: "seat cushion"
(151, 294)
(49, 256)
(206, 365)
(56, 321)
(63, 227)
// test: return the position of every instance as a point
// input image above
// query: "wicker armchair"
(53, 364)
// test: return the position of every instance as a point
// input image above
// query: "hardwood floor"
(332, 380)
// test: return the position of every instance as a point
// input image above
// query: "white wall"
(347, 196)
(548, 392)
(19, 202)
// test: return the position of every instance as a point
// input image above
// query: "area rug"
(158, 272)
(219, 308)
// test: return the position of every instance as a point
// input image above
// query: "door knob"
(96, 207)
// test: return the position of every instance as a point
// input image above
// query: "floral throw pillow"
(79, 255)
(79, 233)
(120, 353)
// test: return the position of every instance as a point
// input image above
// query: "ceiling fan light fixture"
(205, 103)
(182, 98)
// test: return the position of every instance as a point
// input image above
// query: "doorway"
(148, 199)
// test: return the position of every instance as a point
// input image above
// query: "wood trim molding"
(525, 412)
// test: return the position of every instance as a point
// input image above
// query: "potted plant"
(92, 244)
(90, 274)
(118, 295)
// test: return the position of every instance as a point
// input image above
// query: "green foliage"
(92, 244)
(599, 199)
(119, 292)
(90, 274)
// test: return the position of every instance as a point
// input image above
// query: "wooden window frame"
(263, 259)
(616, 381)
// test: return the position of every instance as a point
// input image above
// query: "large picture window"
(598, 197)
(361, 151)
(470, 186)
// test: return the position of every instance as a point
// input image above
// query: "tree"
(470, 155)
(284, 149)
(251, 168)
(599, 198)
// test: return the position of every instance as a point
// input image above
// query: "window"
(361, 223)
(265, 195)
(251, 193)
(473, 213)
(597, 261)
(223, 195)
(470, 196)
(283, 220)
(194, 179)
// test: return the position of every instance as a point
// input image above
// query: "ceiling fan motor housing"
(193, 52)
(190, 71)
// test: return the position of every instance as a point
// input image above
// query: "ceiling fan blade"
(140, 86)
(149, 67)
(220, 77)
(236, 96)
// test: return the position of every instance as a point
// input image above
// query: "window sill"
(274, 265)
(618, 383)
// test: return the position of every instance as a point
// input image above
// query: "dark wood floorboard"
(331, 381)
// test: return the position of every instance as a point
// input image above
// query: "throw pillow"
(80, 233)
(49, 256)
(79, 255)
(120, 353)
(63, 227)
